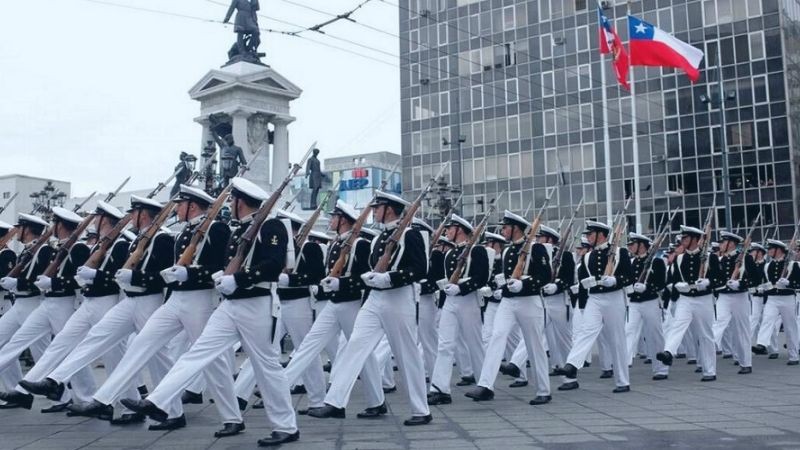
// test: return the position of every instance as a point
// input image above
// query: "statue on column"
(315, 177)
(248, 36)
(231, 157)
(183, 171)
(209, 161)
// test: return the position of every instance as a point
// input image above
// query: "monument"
(249, 101)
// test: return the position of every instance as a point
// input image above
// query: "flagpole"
(636, 188)
(606, 137)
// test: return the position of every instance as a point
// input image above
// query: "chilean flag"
(650, 46)
(611, 43)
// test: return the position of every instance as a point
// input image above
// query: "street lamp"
(45, 200)
(716, 101)
(446, 142)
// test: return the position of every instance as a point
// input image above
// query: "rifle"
(530, 238)
(707, 229)
(187, 257)
(792, 252)
(246, 241)
(305, 230)
(8, 237)
(662, 234)
(385, 181)
(461, 264)
(737, 268)
(565, 237)
(619, 228)
(3, 208)
(408, 216)
(445, 219)
(289, 202)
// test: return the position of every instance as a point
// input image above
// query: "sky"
(92, 92)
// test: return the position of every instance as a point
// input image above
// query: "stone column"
(280, 148)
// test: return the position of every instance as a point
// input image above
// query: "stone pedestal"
(237, 93)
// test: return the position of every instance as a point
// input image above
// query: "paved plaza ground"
(761, 410)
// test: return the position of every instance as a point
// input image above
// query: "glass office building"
(511, 92)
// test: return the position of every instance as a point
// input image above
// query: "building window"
(590, 193)
(584, 77)
(444, 103)
(477, 97)
(509, 20)
(546, 45)
(444, 68)
(505, 55)
(511, 91)
(551, 161)
(513, 128)
(754, 8)
(415, 74)
(763, 135)
(549, 121)
(547, 84)
(580, 5)
(513, 166)
(6, 195)
(416, 178)
(416, 108)
(757, 45)
(442, 33)
(588, 156)
(475, 59)
(477, 133)
(413, 41)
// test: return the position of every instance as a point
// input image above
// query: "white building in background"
(24, 186)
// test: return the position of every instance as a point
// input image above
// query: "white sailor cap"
(66, 215)
(636, 237)
(774, 243)
(494, 237)
(593, 225)
(757, 246)
(547, 231)
(144, 203)
(342, 208)
(242, 187)
(129, 235)
(108, 210)
(728, 236)
(91, 230)
(281, 213)
(583, 243)
(715, 245)
(369, 233)
(30, 219)
(419, 223)
(319, 235)
(385, 198)
(510, 218)
(444, 241)
(193, 194)
(691, 231)
(458, 221)
(5, 225)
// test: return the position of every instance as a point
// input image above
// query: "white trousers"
(526, 313)
(488, 325)
(688, 345)
(428, 330)
(603, 313)
(558, 329)
(332, 346)
(392, 312)
(185, 310)
(733, 316)
(644, 319)
(577, 323)
(780, 307)
(697, 312)
(248, 321)
(333, 320)
(383, 355)
(297, 316)
(756, 314)
(461, 318)
(79, 324)
(29, 323)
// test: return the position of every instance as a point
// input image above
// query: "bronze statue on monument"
(248, 35)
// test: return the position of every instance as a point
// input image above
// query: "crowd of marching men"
(118, 286)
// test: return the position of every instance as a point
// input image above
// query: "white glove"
(283, 280)
(639, 288)
(500, 280)
(86, 274)
(217, 275)
(9, 284)
(608, 281)
(574, 289)
(451, 290)
(764, 287)
(682, 287)
(330, 284)
(550, 288)
(589, 282)
(498, 294)
(733, 285)
(43, 282)
(175, 274)
(702, 284)
(485, 291)
(783, 283)
(514, 286)
(442, 283)
(377, 280)
(226, 284)
(124, 276)
(314, 290)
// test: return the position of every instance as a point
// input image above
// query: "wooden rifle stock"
(616, 237)
(530, 238)
(707, 229)
(473, 239)
(63, 249)
(737, 269)
(355, 231)
(662, 234)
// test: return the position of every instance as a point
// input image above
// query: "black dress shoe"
(373, 412)
(143, 392)
(553, 372)
(607, 374)
(569, 386)
(51, 389)
(773, 356)
(439, 398)
(327, 411)
(389, 390)
(242, 403)
(709, 378)
(229, 429)
(680, 356)
(568, 371)
(660, 377)
(540, 400)
(466, 381)
(90, 409)
(258, 404)
(698, 370)
(759, 349)
(169, 424)
(57, 408)
(480, 394)
(745, 370)
(128, 419)
(648, 361)
(727, 356)
(719, 352)
(792, 363)
(278, 438)
(621, 389)
(327, 367)
(510, 369)
(193, 398)
(16, 399)
(690, 362)
(299, 389)
(735, 363)
(587, 364)
(418, 420)
(518, 384)
(149, 409)
(665, 357)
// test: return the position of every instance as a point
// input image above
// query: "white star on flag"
(640, 28)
